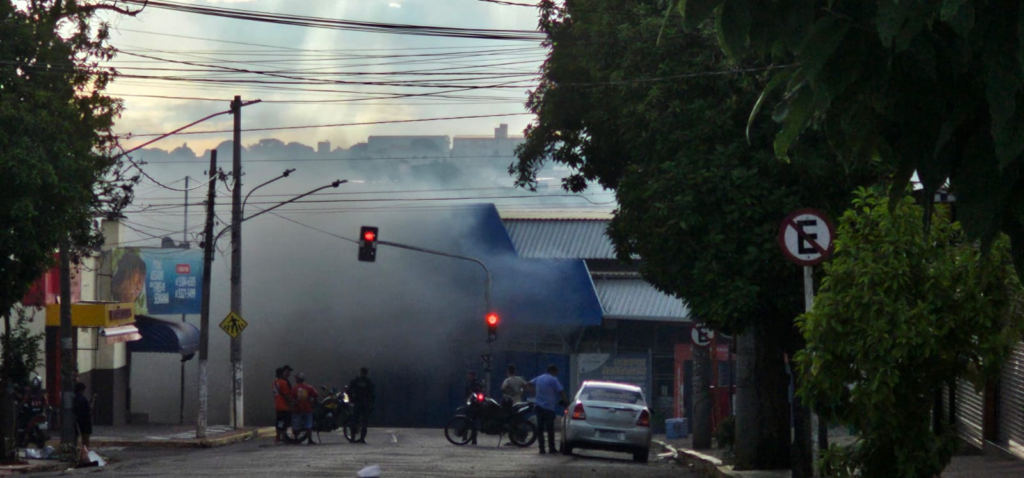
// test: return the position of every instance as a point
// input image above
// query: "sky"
(216, 42)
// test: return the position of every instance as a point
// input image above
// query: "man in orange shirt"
(304, 398)
(282, 401)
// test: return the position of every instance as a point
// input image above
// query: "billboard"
(158, 281)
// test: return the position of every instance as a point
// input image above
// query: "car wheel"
(641, 456)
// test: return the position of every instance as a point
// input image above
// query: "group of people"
(294, 405)
(548, 395)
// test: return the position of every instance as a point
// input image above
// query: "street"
(399, 452)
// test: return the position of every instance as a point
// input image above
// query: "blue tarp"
(164, 336)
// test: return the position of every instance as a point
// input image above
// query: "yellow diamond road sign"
(233, 324)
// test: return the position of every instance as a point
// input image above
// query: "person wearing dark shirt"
(83, 413)
(473, 387)
(362, 392)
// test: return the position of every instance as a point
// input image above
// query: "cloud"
(395, 5)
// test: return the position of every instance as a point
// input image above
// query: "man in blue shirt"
(549, 394)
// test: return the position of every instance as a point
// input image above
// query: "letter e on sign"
(806, 237)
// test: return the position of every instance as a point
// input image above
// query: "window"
(611, 395)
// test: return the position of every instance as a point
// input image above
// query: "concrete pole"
(68, 357)
(237, 403)
(181, 398)
(814, 425)
(204, 320)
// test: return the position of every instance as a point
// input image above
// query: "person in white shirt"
(513, 387)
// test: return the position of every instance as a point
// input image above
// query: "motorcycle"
(493, 419)
(32, 421)
(331, 412)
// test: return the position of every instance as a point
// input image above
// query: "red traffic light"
(492, 319)
(369, 236)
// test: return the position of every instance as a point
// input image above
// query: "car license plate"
(608, 434)
(43, 426)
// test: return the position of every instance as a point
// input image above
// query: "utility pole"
(237, 405)
(184, 240)
(204, 320)
(67, 353)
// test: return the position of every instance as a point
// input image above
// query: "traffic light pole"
(487, 288)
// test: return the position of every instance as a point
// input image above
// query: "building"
(639, 325)
(407, 147)
(323, 147)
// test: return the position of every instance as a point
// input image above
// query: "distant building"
(411, 147)
(323, 147)
(501, 145)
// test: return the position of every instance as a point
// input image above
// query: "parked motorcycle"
(331, 412)
(492, 419)
(33, 426)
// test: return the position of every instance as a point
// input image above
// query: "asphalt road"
(399, 453)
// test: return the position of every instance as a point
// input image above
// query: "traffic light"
(368, 244)
(492, 326)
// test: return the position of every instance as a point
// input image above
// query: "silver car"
(608, 416)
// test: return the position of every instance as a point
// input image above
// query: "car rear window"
(611, 395)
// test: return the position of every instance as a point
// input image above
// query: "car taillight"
(644, 420)
(578, 413)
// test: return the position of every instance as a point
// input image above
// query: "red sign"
(183, 269)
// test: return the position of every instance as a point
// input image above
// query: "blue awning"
(165, 336)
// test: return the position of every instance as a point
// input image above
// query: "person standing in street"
(363, 396)
(473, 387)
(513, 387)
(549, 394)
(83, 416)
(282, 402)
(303, 398)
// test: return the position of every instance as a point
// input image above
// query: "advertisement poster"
(632, 368)
(158, 281)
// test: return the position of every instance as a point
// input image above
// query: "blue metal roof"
(556, 292)
(561, 238)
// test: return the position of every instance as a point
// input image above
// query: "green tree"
(56, 142)
(932, 86)
(56, 146)
(633, 102)
(898, 316)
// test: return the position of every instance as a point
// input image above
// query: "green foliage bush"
(898, 315)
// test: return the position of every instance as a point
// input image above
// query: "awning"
(165, 336)
(123, 333)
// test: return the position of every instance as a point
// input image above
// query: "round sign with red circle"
(806, 236)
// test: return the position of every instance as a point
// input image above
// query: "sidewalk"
(709, 463)
(174, 436)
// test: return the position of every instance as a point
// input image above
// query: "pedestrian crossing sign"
(233, 325)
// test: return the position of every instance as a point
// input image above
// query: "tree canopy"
(56, 143)
(632, 101)
(898, 316)
(932, 86)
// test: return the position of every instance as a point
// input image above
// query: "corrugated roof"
(635, 299)
(560, 239)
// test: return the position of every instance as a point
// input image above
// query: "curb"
(41, 466)
(228, 439)
(700, 463)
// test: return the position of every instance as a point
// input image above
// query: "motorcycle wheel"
(521, 432)
(291, 436)
(40, 438)
(352, 431)
(459, 430)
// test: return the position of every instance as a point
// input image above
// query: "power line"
(346, 25)
(365, 123)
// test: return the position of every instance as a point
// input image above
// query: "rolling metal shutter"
(969, 406)
(1011, 402)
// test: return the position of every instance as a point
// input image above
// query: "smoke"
(414, 319)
